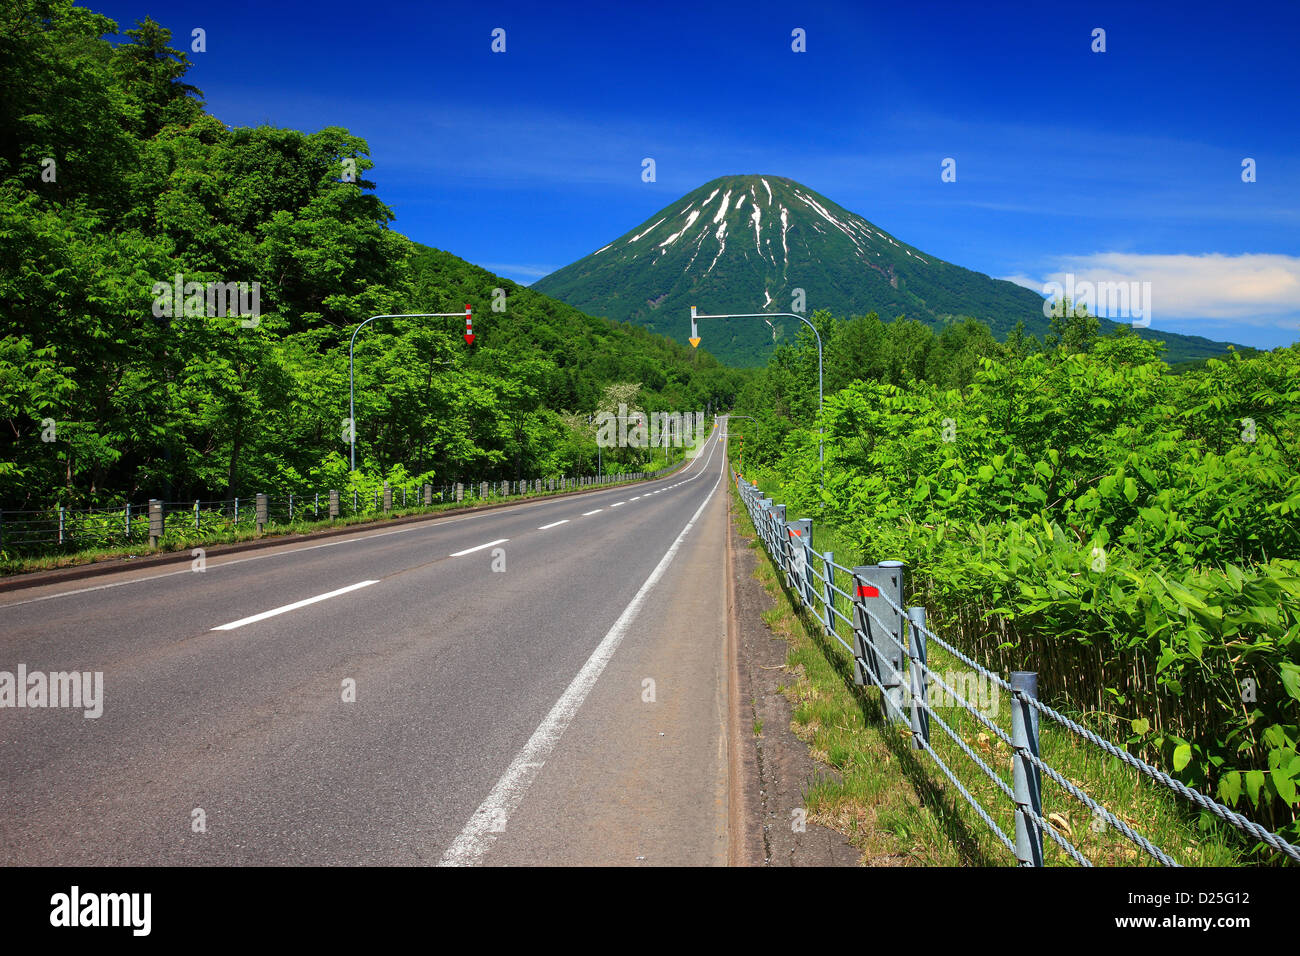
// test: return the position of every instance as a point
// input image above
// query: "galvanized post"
(355, 502)
(315, 511)
(1027, 785)
(776, 521)
(916, 669)
(261, 513)
(155, 522)
(128, 521)
(196, 515)
(828, 566)
(798, 536)
(60, 524)
(878, 637)
(291, 509)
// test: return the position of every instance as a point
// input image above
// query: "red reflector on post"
(866, 590)
(796, 532)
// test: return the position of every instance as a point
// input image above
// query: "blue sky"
(1123, 164)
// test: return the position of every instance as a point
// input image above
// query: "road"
(570, 708)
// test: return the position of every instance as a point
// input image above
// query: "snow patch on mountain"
(722, 211)
(651, 229)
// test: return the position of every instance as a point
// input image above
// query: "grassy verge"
(890, 792)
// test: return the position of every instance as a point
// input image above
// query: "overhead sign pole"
(821, 430)
(352, 410)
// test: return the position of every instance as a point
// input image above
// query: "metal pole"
(821, 429)
(352, 409)
(1025, 778)
(916, 670)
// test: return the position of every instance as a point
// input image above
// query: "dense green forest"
(1077, 508)
(114, 178)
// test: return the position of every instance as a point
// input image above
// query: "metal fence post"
(197, 526)
(291, 509)
(60, 524)
(155, 521)
(355, 509)
(128, 521)
(1027, 785)
(798, 536)
(828, 568)
(261, 513)
(878, 634)
(388, 498)
(916, 656)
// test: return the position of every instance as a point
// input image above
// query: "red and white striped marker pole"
(469, 326)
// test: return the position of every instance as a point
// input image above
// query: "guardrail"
(890, 651)
(34, 531)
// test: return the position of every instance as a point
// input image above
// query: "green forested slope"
(747, 243)
(113, 178)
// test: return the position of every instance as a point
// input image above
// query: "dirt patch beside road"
(775, 766)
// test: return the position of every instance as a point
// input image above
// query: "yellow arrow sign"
(694, 342)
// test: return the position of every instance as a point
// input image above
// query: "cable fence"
(952, 715)
(61, 529)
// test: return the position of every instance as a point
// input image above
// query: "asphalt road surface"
(568, 709)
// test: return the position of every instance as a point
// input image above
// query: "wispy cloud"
(518, 272)
(1257, 289)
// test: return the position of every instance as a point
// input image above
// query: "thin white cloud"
(1029, 282)
(1261, 289)
(510, 269)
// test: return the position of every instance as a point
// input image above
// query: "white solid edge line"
(597, 511)
(479, 547)
(291, 607)
(554, 524)
(490, 818)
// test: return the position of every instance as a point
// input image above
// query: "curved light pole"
(352, 411)
(821, 429)
(751, 418)
(742, 437)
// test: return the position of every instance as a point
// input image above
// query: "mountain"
(746, 243)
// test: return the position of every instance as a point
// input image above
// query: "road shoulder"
(772, 767)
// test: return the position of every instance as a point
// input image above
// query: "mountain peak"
(760, 243)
